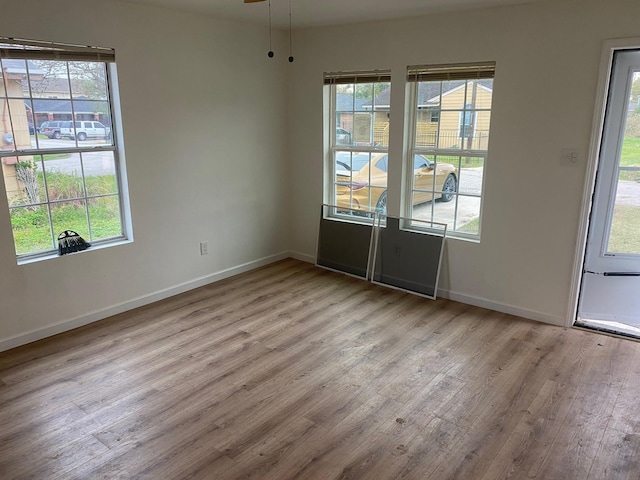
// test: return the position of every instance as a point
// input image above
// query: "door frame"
(593, 163)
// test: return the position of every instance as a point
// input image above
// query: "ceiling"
(314, 13)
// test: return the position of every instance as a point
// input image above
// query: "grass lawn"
(55, 156)
(625, 230)
(472, 227)
(630, 155)
(32, 228)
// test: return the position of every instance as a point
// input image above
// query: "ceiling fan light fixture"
(270, 54)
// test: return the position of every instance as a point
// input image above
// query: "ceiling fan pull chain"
(290, 56)
(270, 54)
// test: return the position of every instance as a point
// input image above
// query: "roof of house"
(18, 67)
(50, 105)
(428, 92)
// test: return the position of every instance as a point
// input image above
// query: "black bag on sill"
(69, 242)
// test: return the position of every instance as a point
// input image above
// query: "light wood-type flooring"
(291, 371)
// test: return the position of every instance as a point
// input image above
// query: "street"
(94, 163)
(469, 183)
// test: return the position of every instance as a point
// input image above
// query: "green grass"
(630, 155)
(55, 156)
(471, 227)
(625, 230)
(31, 227)
(465, 162)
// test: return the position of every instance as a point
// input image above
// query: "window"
(359, 141)
(59, 174)
(450, 130)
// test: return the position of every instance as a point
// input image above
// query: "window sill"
(51, 256)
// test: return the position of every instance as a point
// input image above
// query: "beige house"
(16, 131)
(456, 119)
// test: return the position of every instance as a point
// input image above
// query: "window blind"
(345, 78)
(13, 48)
(445, 72)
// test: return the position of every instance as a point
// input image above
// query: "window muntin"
(58, 174)
(359, 141)
(451, 119)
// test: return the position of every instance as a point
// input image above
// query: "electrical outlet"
(570, 156)
(204, 248)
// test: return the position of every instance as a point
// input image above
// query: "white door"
(610, 292)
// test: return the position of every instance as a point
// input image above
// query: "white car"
(84, 129)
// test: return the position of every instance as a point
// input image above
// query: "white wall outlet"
(204, 248)
(570, 156)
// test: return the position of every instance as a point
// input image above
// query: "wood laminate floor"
(291, 371)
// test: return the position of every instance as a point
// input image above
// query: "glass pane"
(100, 173)
(470, 175)
(428, 113)
(70, 216)
(15, 72)
(104, 215)
(88, 80)
(427, 125)
(23, 181)
(51, 116)
(481, 130)
(50, 80)
(31, 229)
(461, 213)
(64, 177)
(362, 114)
(361, 180)
(454, 114)
(624, 236)
(468, 219)
(16, 118)
(345, 109)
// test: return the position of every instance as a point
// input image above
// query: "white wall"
(203, 111)
(548, 58)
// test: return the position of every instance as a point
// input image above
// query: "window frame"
(422, 73)
(331, 81)
(28, 50)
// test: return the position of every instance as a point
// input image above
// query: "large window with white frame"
(451, 113)
(358, 142)
(60, 160)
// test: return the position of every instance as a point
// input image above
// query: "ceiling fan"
(270, 54)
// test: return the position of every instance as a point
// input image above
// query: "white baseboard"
(504, 308)
(303, 257)
(82, 320)
(477, 301)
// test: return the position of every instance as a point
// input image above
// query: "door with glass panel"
(610, 293)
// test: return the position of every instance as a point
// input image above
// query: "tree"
(85, 78)
(363, 90)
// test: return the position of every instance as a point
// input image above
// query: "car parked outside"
(51, 129)
(361, 181)
(84, 129)
(343, 137)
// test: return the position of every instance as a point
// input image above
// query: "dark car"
(51, 129)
